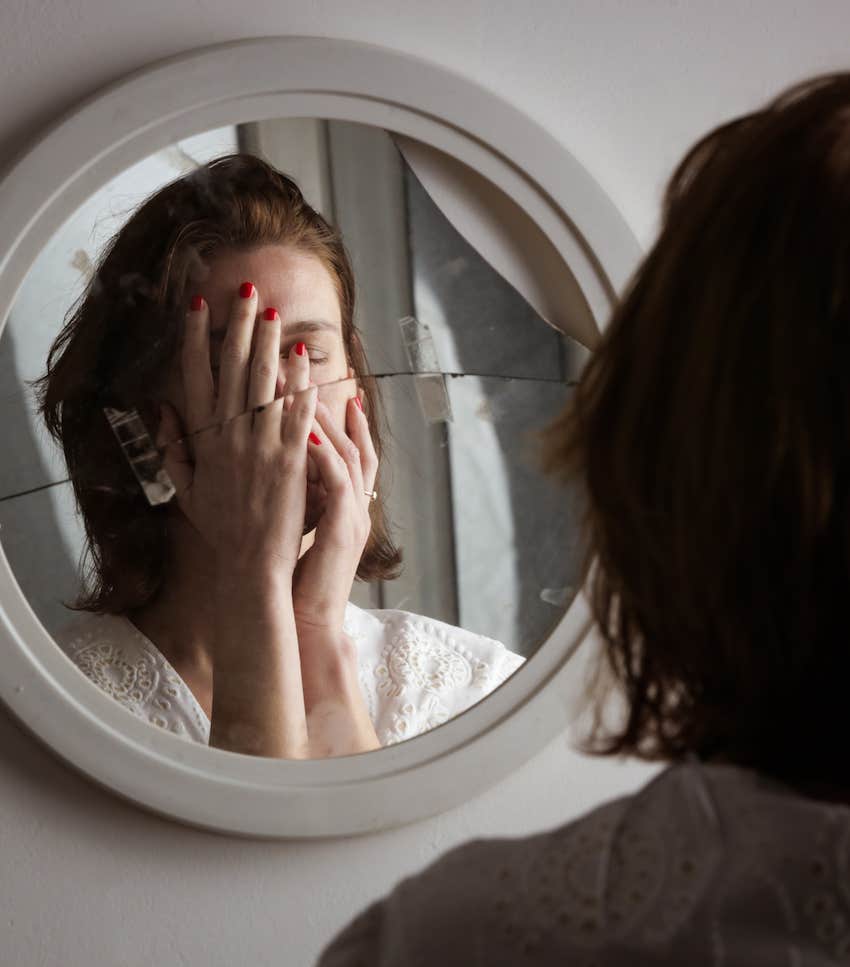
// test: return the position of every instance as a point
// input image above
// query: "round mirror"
(423, 275)
(472, 559)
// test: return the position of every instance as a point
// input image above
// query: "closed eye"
(314, 360)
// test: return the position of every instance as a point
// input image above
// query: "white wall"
(626, 85)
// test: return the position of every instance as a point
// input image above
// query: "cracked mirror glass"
(271, 429)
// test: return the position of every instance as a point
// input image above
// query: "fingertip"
(197, 310)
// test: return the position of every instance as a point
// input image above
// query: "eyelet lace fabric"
(707, 866)
(121, 661)
(418, 673)
(415, 673)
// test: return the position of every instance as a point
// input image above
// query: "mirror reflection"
(347, 541)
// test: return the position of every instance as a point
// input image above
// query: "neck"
(179, 620)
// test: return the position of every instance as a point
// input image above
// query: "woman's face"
(303, 291)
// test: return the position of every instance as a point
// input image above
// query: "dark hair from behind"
(122, 334)
(710, 436)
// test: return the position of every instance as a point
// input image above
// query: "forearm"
(338, 721)
(258, 699)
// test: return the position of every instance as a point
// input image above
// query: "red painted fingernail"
(270, 314)
(300, 348)
(357, 401)
(314, 439)
(246, 290)
(197, 303)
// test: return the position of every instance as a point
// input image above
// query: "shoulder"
(107, 650)
(488, 901)
(416, 672)
(616, 883)
(402, 634)
(90, 639)
(114, 655)
(704, 865)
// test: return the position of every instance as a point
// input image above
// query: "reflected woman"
(223, 312)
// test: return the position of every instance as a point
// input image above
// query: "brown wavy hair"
(123, 333)
(710, 437)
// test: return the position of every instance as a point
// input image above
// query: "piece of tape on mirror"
(425, 365)
(142, 455)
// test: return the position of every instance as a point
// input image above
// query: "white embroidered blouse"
(706, 866)
(415, 673)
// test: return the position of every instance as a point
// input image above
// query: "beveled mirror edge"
(199, 90)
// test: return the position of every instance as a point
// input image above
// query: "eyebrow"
(291, 328)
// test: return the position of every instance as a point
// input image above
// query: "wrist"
(329, 672)
(319, 618)
(320, 646)
(251, 604)
(258, 555)
(258, 577)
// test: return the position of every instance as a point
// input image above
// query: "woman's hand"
(245, 493)
(338, 721)
(343, 468)
(347, 465)
(245, 490)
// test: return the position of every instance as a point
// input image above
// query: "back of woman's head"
(711, 435)
(121, 339)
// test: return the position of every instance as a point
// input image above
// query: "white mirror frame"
(237, 83)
